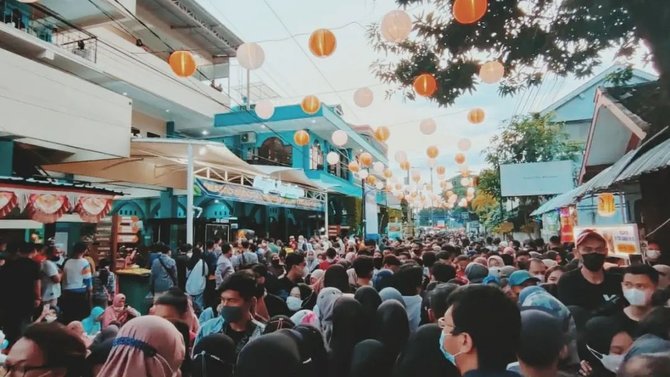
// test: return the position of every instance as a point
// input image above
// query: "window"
(316, 156)
(274, 152)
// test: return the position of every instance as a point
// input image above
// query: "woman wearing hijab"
(390, 293)
(312, 262)
(118, 313)
(495, 261)
(306, 318)
(336, 277)
(371, 359)
(391, 326)
(214, 356)
(196, 280)
(313, 348)
(275, 355)
(370, 301)
(324, 309)
(348, 329)
(146, 346)
(421, 358)
(91, 323)
(607, 342)
(277, 323)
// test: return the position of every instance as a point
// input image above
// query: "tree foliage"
(530, 38)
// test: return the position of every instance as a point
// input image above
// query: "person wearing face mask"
(639, 284)
(537, 268)
(276, 268)
(477, 343)
(296, 272)
(655, 256)
(312, 261)
(591, 287)
(607, 341)
(235, 320)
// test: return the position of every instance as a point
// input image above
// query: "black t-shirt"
(182, 263)
(18, 284)
(240, 338)
(284, 286)
(601, 299)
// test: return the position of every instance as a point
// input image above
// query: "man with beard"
(591, 287)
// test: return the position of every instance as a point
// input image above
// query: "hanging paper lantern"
(363, 97)
(264, 109)
(363, 174)
(333, 158)
(425, 85)
(396, 26)
(416, 176)
(388, 173)
(371, 180)
(469, 11)
(310, 105)
(339, 138)
(459, 158)
(465, 182)
(182, 63)
(470, 191)
(464, 144)
(432, 151)
(322, 43)
(301, 138)
(382, 133)
(441, 170)
(398, 186)
(606, 204)
(491, 72)
(476, 116)
(379, 185)
(404, 165)
(250, 55)
(378, 167)
(365, 159)
(354, 167)
(400, 156)
(427, 126)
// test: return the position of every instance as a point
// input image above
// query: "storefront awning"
(655, 159)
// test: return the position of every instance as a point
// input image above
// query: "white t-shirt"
(75, 272)
(50, 290)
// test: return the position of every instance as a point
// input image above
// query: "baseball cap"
(491, 279)
(589, 233)
(519, 277)
(476, 272)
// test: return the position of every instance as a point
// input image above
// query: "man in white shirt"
(50, 276)
(224, 266)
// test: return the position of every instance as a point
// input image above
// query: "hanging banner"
(568, 219)
(47, 208)
(8, 201)
(92, 208)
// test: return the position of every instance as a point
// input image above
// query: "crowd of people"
(435, 305)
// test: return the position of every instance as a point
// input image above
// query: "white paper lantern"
(333, 158)
(464, 144)
(379, 185)
(427, 126)
(339, 138)
(396, 26)
(250, 55)
(363, 97)
(400, 156)
(265, 109)
(363, 174)
(378, 167)
(491, 72)
(449, 186)
(470, 191)
(463, 202)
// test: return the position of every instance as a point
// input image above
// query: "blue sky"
(292, 72)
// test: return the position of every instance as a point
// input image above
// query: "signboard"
(568, 220)
(273, 186)
(539, 178)
(394, 230)
(621, 239)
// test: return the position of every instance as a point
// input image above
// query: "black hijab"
(422, 356)
(348, 329)
(392, 326)
(336, 277)
(275, 354)
(214, 355)
(370, 301)
(312, 348)
(371, 359)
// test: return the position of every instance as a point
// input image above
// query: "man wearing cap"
(521, 279)
(590, 286)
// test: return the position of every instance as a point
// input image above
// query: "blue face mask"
(451, 358)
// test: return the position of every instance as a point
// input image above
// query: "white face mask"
(611, 362)
(653, 254)
(635, 297)
(50, 318)
(294, 304)
(539, 277)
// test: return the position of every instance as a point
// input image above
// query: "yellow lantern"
(606, 204)
(425, 85)
(441, 170)
(398, 186)
(322, 43)
(371, 180)
(388, 173)
(382, 133)
(310, 105)
(491, 72)
(432, 151)
(459, 158)
(301, 138)
(354, 167)
(182, 63)
(476, 116)
(469, 11)
(365, 159)
(404, 165)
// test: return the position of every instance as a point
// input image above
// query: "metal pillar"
(363, 221)
(189, 195)
(325, 217)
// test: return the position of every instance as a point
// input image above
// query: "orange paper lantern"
(182, 63)
(432, 151)
(459, 158)
(476, 116)
(301, 138)
(606, 204)
(469, 11)
(354, 167)
(310, 105)
(425, 85)
(322, 43)
(404, 165)
(388, 173)
(382, 133)
(371, 180)
(441, 170)
(365, 159)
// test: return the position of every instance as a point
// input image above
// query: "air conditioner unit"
(248, 137)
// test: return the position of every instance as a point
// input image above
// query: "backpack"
(195, 283)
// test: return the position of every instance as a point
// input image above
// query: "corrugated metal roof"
(655, 159)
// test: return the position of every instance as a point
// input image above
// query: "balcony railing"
(48, 26)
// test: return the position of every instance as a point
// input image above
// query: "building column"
(168, 205)
(170, 130)
(6, 158)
